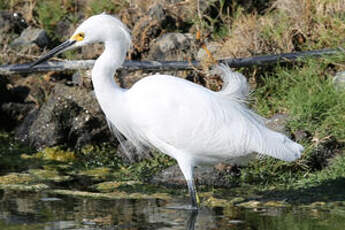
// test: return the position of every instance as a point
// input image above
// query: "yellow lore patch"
(78, 37)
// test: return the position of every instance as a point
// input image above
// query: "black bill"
(63, 46)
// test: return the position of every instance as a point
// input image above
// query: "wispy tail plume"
(234, 83)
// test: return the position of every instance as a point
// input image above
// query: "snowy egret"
(184, 120)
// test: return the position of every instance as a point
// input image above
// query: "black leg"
(193, 194)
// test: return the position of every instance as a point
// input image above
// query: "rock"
(43, 175)
(323, 153)
(212, 176)
(32, 36)
(111, 186)
(14, 106)
(21, 131)
(339, 81)
(5, 95)
(109, 196)
(55, 154)
(213, 47)
(156, 11)
(96, 174)
(251, 204)
(81, 78)
(24, 188)
(215, 202)
(11, 22)
(276, 204)
(92, 51)
(12, 114)
(17, 178)
(171, 47)
(71, 116)
(150, 27)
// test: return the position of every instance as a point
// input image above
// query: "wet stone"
(48, 175)
(279, 204)
(251, 204)
(214, 202)
(17, 178)
(55, 154)
(96, 174)
(24, 188)
(111, 186)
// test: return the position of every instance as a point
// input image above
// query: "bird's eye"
(79, 37)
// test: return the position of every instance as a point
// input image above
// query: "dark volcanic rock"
(12, 113)
(171, 47)
(217, 176)
(71, 116)
(13, 104)
(11, 22)
(32, 36)
(155, 22)
(323, 153)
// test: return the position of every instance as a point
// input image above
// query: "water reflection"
(192, 219)
(43, 211)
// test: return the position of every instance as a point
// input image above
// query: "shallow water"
(41, 211)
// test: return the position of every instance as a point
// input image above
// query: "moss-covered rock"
(25, 188)
(55, 154)
(17, 178)
(110, 196)
(111, 186)
(48, 175)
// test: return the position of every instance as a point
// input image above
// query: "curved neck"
(106, 89)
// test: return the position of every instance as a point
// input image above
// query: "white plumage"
(188, 122)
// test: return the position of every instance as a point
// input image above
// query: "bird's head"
(98, 28)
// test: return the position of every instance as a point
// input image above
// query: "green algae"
(17, 178)
(10, 152)
(96, 174)
(109, 196)
(50, 175)
(110, 186)
(25, 188)
(55, 154)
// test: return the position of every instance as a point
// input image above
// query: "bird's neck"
(108, 93)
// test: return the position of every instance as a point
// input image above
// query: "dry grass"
(289, 25)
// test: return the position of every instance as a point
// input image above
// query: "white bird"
(184, 120)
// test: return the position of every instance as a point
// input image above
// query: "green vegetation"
(110, 7)
(10, 152)
(303, 90)
(316, 108)
(49, 14)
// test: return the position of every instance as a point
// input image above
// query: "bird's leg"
(193, 194)
(187, 169)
